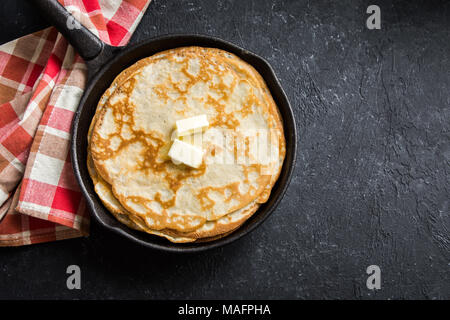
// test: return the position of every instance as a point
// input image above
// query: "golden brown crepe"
(131, 132)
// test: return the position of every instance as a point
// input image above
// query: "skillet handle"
(84, 41)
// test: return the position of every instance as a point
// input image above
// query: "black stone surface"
(372, 181)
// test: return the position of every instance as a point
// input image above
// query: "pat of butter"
(191, 125)
(186, 153)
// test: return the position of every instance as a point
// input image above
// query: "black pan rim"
(251, 224)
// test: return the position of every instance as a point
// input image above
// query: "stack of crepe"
(132, 131)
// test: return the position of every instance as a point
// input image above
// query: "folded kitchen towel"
(41, 82)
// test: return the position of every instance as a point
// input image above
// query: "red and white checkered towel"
(41, 82)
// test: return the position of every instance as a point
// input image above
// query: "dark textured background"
(371, 185)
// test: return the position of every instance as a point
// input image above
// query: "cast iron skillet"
(104, 64)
